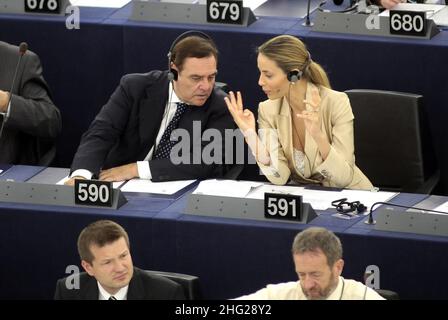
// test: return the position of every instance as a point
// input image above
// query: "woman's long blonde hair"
(290, 54)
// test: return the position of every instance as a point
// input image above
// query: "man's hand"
(71, 181)
(4, 97)
(126, 172)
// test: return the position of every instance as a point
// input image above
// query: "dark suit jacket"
(141, 287)
(34, 121)
(126, 128)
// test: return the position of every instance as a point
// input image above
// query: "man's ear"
(88, 267)
(338, 267)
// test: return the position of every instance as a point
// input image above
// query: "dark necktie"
(112, 298)
(164, 148)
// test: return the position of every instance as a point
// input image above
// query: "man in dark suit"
(31, 120)
(103, 247)
(130, 137)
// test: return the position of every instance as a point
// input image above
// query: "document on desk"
(443, 207)
(319, 199)
(436, 12)
(115, 184)
(147, 186)
(430, 9)
(226, 188)
(100, 3)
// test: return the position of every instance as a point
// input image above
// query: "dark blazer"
(34, 121)
(126, 128)
(141, 287)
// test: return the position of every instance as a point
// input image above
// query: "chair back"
(189, 283)
(393, 145)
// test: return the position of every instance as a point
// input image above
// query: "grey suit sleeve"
(32, 110)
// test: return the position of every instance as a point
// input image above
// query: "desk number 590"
(93, 192)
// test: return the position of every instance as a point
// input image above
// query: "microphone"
(308, 22)
(371, 221)
(23, 47)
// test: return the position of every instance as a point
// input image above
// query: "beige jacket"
(336, 117)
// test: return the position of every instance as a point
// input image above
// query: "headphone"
(295, 75)
(173, 74)
(352, 6)
(344, 207)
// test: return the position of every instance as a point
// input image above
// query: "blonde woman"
(307, 127)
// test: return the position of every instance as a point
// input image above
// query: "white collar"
(119, 295)
(172, 94)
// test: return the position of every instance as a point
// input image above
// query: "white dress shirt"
(122, 294)
(345, 290)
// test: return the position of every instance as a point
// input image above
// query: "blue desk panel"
(232, 257)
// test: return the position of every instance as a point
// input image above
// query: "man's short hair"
(315, 238)
(193, 47)
(99, 233)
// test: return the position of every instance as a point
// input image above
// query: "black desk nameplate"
(282, 206)
(408, 23)
(93, 193)
(225, 11)
(48, 194)
(43, 6)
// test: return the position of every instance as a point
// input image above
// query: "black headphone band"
(352, 206)
(172, 73)
(296, 75)
(184, 35)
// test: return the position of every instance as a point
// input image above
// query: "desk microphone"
(23, 47)
(307, 22)
(371, 221)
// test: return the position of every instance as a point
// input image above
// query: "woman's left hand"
(311, 117)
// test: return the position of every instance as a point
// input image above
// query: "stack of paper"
(226, 188)
(147, 186)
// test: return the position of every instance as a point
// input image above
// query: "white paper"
(430, 9)
(1, 170)
(319, 200)
(226, 188)
(147, 186)
(100, 3)
(443, 207)
(115, 185)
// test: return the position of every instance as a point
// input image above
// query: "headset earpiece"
(361, 208)
(344, 207)
(172, 73)
(294, 75)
